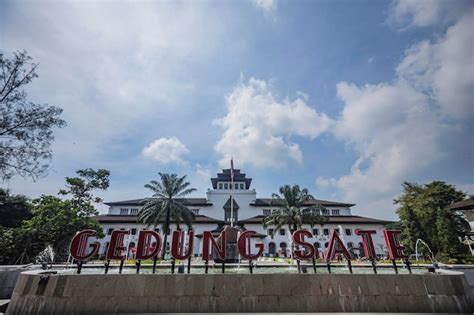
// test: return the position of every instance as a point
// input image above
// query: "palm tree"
(312, 216)
(290, 202)
(167, 202)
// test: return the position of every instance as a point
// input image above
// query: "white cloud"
(422, 13)
(123, 65)
(400, 130)
(394, 132)
(166, 151)
(266, 5)
(258, 128)
(203, 172)
(444, 69)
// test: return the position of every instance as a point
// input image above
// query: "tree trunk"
(167, 229)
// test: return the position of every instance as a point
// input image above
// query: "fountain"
(46, 257)
(431, 256)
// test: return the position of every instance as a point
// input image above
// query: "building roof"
(202, 202)
(259, 202)
(235, 205)
(225, 177)
(268, 202)
(466, 204)
(118, 218)
(331, 219)
(220, 227)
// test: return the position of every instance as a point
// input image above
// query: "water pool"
(217, 269)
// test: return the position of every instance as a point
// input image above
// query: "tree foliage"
(25, 127)
(13, 209)
(424, 214)
(166, 203)
(55, 221)
(81, 188)
(291, 202)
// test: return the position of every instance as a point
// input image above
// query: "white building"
(213, 212)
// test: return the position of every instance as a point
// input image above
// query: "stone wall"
(78, 294)
(8, 279)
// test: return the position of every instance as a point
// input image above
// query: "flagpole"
(231, 192)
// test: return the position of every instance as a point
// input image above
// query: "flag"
(232, 168)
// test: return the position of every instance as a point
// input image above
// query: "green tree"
(54, 223)
(423, 214)
(13, 209)
(312, 216)
(290, 201)
(166, 203)
(447, 223)
(81, 188)
(26, 128)
(413, 230)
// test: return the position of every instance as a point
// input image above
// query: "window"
(335, 212)
(195, 211)
(315, 232)
(236, 186)
(350, 245)
(317, 245)
(348, 232)
(325, 212)
(134, 211)
(134, 231)
(241, 186)
(157, 230)
(270, 231)
(227, 215)
(267, 212)
(220, 185)
(109, 232)
(123, 211)
(271, 248)
(226, 186)
(326, 245)
(337, 231)
(282, 231)
(326, 231)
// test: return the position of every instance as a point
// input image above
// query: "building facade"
(213, 213)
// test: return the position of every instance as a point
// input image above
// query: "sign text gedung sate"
(149, 245)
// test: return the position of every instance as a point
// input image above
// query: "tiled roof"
(463, 205)
(225, 177)
(268, 202)
(259, 202)
(140, 202)
(331, 219)
(235, 205)
(115, 218)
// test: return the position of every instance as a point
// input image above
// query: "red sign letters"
(149, 244)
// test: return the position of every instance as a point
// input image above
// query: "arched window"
(131, 250)
(283, 249)
(326, 245)
(317, 245)
(271, 248)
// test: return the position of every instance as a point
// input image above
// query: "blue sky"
(346, 98)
